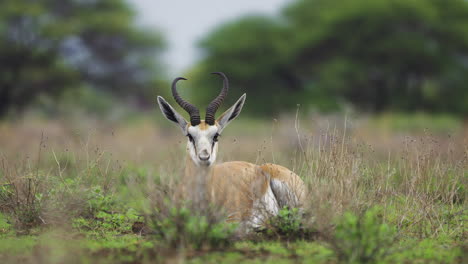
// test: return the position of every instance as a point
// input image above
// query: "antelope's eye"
(190, 137)
(215, 138)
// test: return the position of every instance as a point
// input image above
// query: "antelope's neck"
(197, 180)
(193, 171)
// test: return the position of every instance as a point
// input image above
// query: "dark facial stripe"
(192, 140)
(212, 146)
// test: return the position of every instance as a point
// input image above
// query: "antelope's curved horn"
(191, 109)
(216, 103)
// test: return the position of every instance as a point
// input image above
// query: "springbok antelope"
(246, 191)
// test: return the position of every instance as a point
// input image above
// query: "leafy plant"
(104, 214)
(363, 238)
(188, 228)
(288, 223)
(99, 201)
(103, 222)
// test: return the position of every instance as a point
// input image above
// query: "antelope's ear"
(231, 113)
(172, 115)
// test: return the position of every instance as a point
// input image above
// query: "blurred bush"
(180, 226)
(364, 238)
(378, 55)
(49, 46)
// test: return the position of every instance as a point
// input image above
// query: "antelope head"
(202, 135)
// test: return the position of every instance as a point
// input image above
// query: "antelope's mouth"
(204, 163)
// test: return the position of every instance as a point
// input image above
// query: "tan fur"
(203, 125)
(236, 185)
(283, 174)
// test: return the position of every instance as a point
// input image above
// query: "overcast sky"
(184, 22)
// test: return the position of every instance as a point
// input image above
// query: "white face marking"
(204, 147)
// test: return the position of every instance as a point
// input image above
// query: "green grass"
(418, 122)
(115, 244)
(84, 203)
(132, 248)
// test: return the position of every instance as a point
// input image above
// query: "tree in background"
(379, 55)
(48, 46)
(253, 53)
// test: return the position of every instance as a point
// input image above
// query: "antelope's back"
(236, 185)
(287, 186)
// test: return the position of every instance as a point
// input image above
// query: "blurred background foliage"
(327, 55)
(48, 47)
(377, 55)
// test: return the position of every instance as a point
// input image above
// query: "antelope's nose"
(204, 155)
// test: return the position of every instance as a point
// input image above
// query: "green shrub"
(99, 201)
(21, 198)
(287, 224)
(105, 223)
(363, 238)
(183, 227)
(104, 214)
(429, 250)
